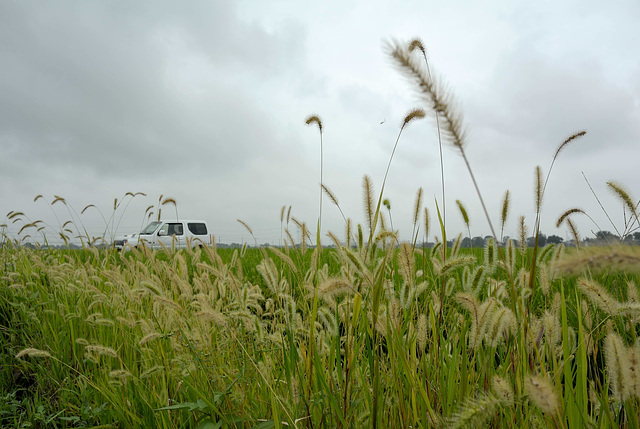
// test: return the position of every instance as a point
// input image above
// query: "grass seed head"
(632, 291)
(422, 331)
(463, 213)
(314, 119)
(475, 412)
(574, 232)
(414, 114)
(543, 279)
(426, 223)
(149, 337)
(416, 43)
(503, 389)
(569, 212)
(120, 375)
(31, 352)
(369, 209)
(334, 287)
(416, 207)
(522, 234)
(623, 194)
(490, 256)
(568, 140)
(617, 365)
(153, 370)
(538, 189)
(329, 194)
(542, 393)
(247, 227)
(101, 350)
(505, 209)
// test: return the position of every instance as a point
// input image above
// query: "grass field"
(263, 338)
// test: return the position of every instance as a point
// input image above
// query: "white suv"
(176, 234)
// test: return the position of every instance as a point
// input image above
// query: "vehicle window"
(150, 228)
(176, 229)
(197, 228)
(164, 230)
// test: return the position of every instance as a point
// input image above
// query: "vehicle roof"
(179, 220)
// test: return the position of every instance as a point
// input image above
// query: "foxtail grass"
(440, 101)
(465, 216)
(315, 119)
(504, 213)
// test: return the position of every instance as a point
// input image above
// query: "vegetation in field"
(371, 332)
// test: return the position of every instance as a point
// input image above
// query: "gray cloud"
(95, 85)
(205, 102)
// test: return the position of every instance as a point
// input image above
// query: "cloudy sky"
(205, 102)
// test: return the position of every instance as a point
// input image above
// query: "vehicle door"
(171, 234)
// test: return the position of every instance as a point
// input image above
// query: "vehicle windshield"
(150, 228)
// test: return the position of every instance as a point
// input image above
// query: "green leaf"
(265, 425)
(182, 406)
(443, 231)
(208, 424)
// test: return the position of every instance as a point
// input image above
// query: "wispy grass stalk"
(315, 119)
(441, 102)
(414, 44)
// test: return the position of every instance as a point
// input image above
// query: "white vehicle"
(176, 234)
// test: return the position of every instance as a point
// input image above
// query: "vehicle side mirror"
(161, 233)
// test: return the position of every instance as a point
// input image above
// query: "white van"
(176, 234)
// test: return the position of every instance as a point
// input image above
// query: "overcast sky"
(205, 102)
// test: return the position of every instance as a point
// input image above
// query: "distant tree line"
(601, 238)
